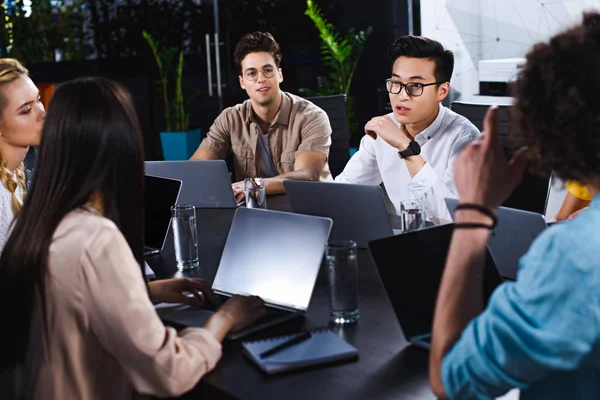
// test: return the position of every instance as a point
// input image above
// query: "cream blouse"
(105, 338)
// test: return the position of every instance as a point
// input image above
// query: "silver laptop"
(358, 212)
(515, 232)
(271, 254)
(411, 266)
(159, 195)
(206, 184)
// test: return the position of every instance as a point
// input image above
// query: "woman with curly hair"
(21, 118)
(540, 334)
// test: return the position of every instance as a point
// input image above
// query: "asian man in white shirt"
(412, 149)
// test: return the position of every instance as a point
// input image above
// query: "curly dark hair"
(255, 42)
(423, 47)
(557, 106)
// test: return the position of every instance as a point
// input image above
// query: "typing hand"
(243, 311)
(190, 291)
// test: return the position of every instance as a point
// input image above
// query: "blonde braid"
(8, 180)
(21, 178)
(11, 70)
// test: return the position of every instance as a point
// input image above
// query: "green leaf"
(339, 54)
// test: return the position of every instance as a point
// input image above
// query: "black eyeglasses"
(251, 74)
(413, 89)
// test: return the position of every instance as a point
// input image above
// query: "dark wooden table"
(386, 369)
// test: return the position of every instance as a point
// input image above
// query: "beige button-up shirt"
(299, 127)
(105, 339)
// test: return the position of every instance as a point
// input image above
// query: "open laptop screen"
(206, 183)
(358, 211)
(411, 266)
(274, 255)
(159, 195)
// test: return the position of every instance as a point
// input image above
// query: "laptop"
(358, 212)
(272, 254)
(159, 195)
(206, 183)
(412, 280)
(514, 234)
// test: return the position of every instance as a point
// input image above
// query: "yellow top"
(578, 190)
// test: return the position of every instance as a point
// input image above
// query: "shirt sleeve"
(545, 322)
(433, 188)
(315, 133)
(362, 168)
(578, 190)
(218, 138)
(156, 359)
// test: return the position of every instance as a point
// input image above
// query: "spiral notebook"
(322, 347)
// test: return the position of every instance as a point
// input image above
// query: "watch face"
(416, 149)
(413, 149)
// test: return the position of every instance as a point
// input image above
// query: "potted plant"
(178, 141)
(340, 54)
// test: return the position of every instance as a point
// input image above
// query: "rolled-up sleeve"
(218, 138)
(156, 359)
(432, 188)
(547, 321)
(315, 133)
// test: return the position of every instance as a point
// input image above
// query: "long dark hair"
(91, 144)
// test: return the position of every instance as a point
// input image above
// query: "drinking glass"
(342, 266)
(256, 194)
(183, 221)
(412, 214)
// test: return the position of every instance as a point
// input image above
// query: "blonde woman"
(21, 118)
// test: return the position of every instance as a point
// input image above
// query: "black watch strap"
(413, 149)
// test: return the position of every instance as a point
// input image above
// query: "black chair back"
(532, 192)
(335, 107)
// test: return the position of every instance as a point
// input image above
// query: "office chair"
(339, 152)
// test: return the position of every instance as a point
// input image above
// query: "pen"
(295, 340)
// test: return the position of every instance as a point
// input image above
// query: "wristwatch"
(413, 149)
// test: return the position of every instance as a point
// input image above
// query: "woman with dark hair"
(72, 291)
(540, 334)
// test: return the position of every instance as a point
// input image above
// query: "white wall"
(489, 29)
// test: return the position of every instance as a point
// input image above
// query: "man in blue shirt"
(540, 334)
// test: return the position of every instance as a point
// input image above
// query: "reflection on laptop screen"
(274, 255)
(159, 195)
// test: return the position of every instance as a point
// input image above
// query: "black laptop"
(410, 267)
(159, 195)
(358, 212)
(206, 183)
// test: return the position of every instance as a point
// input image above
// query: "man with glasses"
(274, 135)
(412, 149)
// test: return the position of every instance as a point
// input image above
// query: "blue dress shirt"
(540, 334)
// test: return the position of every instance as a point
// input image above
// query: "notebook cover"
(323, 347)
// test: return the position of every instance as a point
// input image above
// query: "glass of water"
(256, 194)
(342, 267)
(183, 221)
(413, 215)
